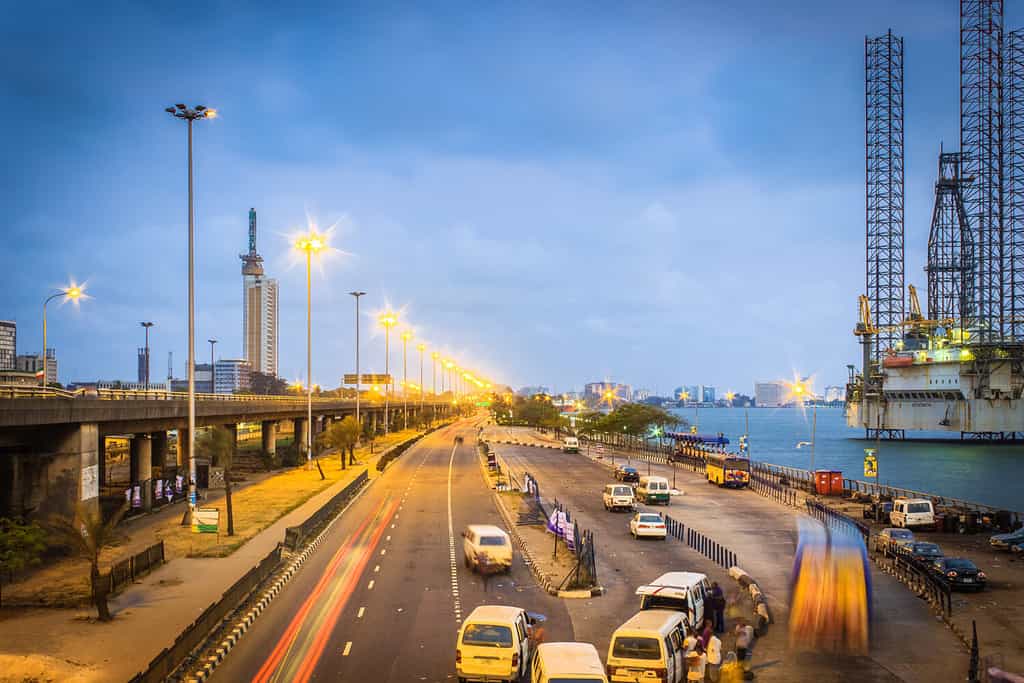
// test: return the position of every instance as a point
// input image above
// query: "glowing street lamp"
(311, 244)
(73, 293)
(800, 391)
(387, 320)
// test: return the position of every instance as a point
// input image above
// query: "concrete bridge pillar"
(159, 446)
(183, 455)
(233, 430)
(301, 432)
(268, 431)
(141, 453)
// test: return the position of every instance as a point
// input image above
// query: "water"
(985, 473)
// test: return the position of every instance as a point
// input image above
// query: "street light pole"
(213, 375)
(406, 336)
(146, 325)
(180, 111)
(421, 348)
(72, 292)
(310, 244)
(358, 294)
(388, 320)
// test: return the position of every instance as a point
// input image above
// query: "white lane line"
(348, 648)
(376, 569)
(369, 586)
(457, 603)
(383, 551)
(389, 538)
(362, 610)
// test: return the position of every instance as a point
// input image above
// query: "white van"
(557, 662)
(487, 548)
(493, 644)
(570, 444)
(681, 591)
(618, 497)
(911, 512)
(649, 647)
(653, 490)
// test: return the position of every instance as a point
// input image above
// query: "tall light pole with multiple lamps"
(388, 320)
(310, 244)
(145, 376)
(357, 295)
(406, 336)
(70, 293)
(213, 375)
(189, 115)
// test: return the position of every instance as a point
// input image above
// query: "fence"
(195, 634)
(579, 542)
(919, 578)
(131, 568)
(705, 545)
(294, 536)
(832, 518)
(770, 489)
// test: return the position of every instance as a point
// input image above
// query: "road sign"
(483, 404)
(205, 520)
(350, 378)
(870, 462)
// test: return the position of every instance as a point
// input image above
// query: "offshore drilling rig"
(961, 368)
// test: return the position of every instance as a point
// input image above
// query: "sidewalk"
(69, 645)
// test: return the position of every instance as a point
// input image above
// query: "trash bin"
(836, 483)
(822, 478)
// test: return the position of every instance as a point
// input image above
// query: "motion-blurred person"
(744, 645)
(717, 605)
(696, 666)
(731, 671)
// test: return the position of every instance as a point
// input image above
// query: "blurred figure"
(744, 645)
(717, 605)
(730, 671)
(696, 665)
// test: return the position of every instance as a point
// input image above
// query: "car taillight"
(458, 656)
(951, 574)
(515, 659)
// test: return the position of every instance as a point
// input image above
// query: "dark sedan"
(923, 552)
(960, 573)
(627, 474)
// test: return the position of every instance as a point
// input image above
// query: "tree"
(218, 444)
(344, 436)
(88, 534)
(637, 419)
(263, 383)
(21, 544)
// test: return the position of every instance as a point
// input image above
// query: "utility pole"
(357, 295)
(146, 325)
(213, 375)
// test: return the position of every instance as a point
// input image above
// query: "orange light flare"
(316, 243)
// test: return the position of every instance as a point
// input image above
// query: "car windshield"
(629, 470)
(927, 549)
(919, 507)
(901, 534)
(487, 635)
(649, 518)
(492, 540)
(959, 564)
(622, 491)
(636, 648)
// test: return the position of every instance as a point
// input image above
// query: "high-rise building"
(769, 394)
(231, 375)
(143, 364)
(259, 309)
(203, 380)
(8, 344)
(833, 394)
(33, 362)
(707, 394)
(622, 392)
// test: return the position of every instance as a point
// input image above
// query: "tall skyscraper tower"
(259, 309)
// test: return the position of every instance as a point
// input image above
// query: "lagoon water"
(986, 473)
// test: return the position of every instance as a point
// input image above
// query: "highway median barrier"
(295, 536)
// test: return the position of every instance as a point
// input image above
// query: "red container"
(836, 483)
(822, 478)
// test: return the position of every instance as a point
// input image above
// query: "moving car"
(648, 524)
(624, 473)
(1006, 541)
(573, 662)
(889, 539)
(570, 444)
(649, 647)
(680, 591)
(912, 512)
(653, 490)
(487, 548)
(493, 644)
(618, 497)
(923, 552)
(960, 573)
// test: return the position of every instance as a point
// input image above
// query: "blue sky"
(556, 192)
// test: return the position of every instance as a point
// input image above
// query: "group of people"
(703, 647)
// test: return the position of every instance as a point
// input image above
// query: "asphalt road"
(383, 596)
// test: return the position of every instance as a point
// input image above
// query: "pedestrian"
(706, 633)
(730, 671)
(717, 604)
(744, 646)
(696, 666)
(690, 641)
(714, 653)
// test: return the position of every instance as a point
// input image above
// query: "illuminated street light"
(310, 244)
(190, 115)
(388, 320)
(72, 293)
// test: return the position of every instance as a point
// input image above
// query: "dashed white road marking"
(453, 565)
(369, 586)
(376, 569)
(389, 538)
(348, 648)
(362, 610)
(383, 551)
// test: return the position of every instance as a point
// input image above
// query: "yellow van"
(576, 662)
(649, 647)
(493, 644)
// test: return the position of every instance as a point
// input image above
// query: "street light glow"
(388, 319)
(313, 243)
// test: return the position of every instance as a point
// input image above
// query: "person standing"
(717, 604)
(696, 666)
(714, 653)
(744, 646)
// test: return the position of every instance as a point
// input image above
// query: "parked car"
(623, 473)
(923, 551)
(912, 512)
(959, 572)
(647, 524)
(618, 497)
(1017, 548)
(1006, 541)
(494, 644)
(878, 511)
(889, 539)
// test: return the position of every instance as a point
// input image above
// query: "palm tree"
(344, 436)
(218, 444)
(88, 534)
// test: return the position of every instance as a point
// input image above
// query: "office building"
(769, 394)
(8, 344)
(533, 391)
(641, 395)
(259, 309)
(203, 380)
(834, 394)
(33, 362)
(143, 364)
(597, 390)
(707, 394)
(231, 375)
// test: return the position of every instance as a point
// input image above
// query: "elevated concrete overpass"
(52, 442)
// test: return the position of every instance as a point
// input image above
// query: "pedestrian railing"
(705, 545)
(833, 518)
(919, 577)
(134, 567)
(770, 489)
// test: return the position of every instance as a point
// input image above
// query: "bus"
(727, 469)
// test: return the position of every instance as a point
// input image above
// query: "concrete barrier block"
(736, 573)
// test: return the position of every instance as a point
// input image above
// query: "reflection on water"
(986, 473)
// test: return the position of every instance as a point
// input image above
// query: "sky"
(551, 193)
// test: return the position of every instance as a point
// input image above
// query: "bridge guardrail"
(15, 392)
(295, 536)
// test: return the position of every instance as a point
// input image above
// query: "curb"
(762, 617)
(210, 664)
(543, 580)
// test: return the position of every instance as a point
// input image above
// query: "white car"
(647, 524)
(487, 549)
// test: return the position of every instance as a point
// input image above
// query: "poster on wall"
(90, 482)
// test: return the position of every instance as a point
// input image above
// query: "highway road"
(383, 596)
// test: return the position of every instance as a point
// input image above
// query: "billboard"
(350, 378)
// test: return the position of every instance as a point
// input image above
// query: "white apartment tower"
(259, 309)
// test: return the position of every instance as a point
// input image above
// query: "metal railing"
(295, 536)
(138, 565)
(773, 490)
(835, 519)
(15, 392)
(705, 545)
(917, 576)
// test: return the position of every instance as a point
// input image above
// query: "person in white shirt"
(714, 653)
(696, 666)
